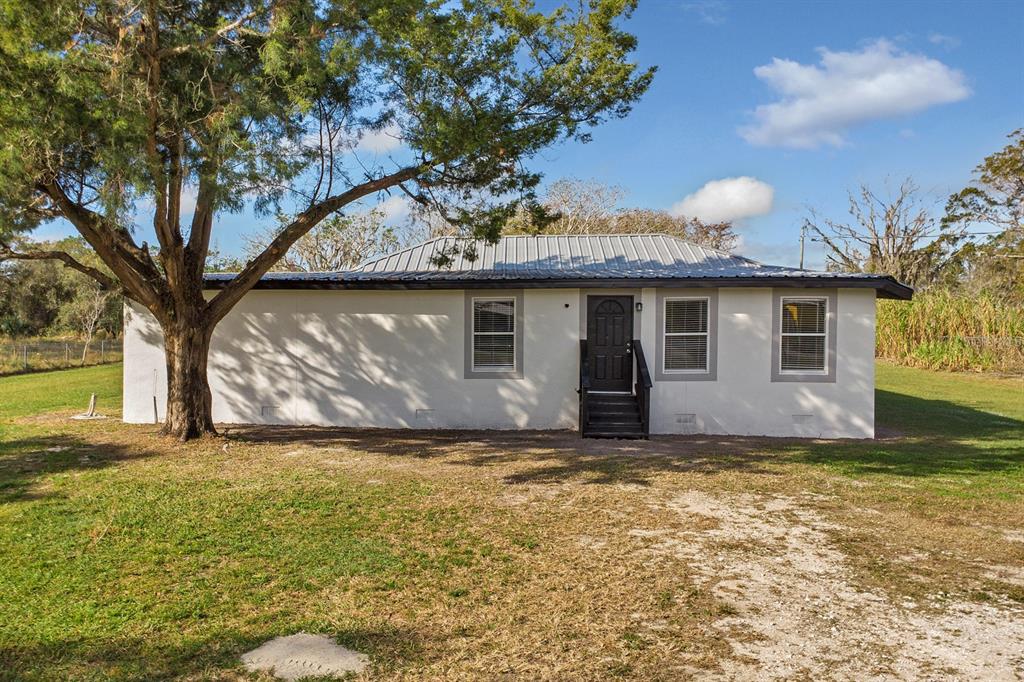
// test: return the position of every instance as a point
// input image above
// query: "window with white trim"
(494, 334)
(803, 335)
(686, 335)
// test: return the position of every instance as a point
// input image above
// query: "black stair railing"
(584, 387)
(643, 386)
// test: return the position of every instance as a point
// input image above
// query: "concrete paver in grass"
(304, 655)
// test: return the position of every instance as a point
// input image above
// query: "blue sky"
(685, 132)
(804, 101)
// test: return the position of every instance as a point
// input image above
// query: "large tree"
(892, 234)
(107, 106)
(995, 200)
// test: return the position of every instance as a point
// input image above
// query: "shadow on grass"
(171, 655)
(934, 438)
(536, 456)
(23, 461)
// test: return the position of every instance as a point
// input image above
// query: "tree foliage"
(994, 265)
(996, 198)
(108, 106)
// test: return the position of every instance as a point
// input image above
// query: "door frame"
(586, 297)
(635, 293)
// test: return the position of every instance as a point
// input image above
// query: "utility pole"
(803, 234)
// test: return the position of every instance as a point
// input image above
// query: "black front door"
(609, 342)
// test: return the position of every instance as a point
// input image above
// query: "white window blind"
(686, 335)
(802, 343)
(494, 334)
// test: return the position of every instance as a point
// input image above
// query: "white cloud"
(728, 199)
(189, 197)
(820, 102)
(394, 208)
(942, 40)
(712, 12)
(379, 141)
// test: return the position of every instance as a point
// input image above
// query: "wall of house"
(366, 358)
(397, 359)
(744, 401)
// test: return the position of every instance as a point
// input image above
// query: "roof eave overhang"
(887, 287)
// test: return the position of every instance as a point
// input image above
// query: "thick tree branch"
(167, 200)
(202, 225)
(115, 247)
(208, 40)
(105, 281)
(220, 304)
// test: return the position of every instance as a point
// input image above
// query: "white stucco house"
(619, 335)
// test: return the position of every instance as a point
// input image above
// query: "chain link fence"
(27, 355)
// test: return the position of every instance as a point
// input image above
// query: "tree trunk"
(85, 349)
(189, 401)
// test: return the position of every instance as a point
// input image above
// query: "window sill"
(494, 374)
(685, 375)
(804, 377)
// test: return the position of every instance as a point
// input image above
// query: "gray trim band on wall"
(467, 324)
(829, 376)
(659, 371)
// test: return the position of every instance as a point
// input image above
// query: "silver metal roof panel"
(651, 259)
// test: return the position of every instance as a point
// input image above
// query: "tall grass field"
(941, 331)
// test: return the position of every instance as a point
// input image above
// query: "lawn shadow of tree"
(922, 438)
(934, 438)
(537, 456)
(26, 460)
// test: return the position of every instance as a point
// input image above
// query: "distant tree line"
(576, 206)
(41, 297)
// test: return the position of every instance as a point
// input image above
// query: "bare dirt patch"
(795, 610)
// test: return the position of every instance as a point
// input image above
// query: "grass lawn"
(510, 555)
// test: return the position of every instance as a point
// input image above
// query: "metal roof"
(567, 260)
(635, 255)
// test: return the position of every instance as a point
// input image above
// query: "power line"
(944, 234)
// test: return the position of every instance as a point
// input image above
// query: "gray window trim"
(831, 316)
(712, 372)
(500, 294)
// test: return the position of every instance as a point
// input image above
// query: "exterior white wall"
(366, 358)
(396, 359)
(744, 401)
